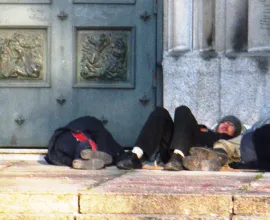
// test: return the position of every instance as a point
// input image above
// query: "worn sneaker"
(205, 159)
(91, 164)
(175, 163)
(88, 154)
(129, 161)
(209, 154)
(195, 164)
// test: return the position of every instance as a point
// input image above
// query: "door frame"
(159, 52)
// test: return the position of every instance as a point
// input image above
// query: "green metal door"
(60, 60)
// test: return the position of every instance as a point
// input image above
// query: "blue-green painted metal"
(122, 36)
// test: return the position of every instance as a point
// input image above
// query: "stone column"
(236, 25)
(203, 25)
(179, 25)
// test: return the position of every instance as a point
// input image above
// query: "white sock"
(176, 151)
(138, 151)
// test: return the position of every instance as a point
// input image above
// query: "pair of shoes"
(175, 163)
(92, 160)
(129, 161)
(205, 159)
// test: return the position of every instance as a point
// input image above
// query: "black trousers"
(160, 133)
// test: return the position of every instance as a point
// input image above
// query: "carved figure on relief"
(20, 56)
(104, 58)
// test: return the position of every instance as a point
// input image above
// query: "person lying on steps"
(172, 140)
(83, 143)
(250, 150)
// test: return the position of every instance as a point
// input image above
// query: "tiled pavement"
(36, 190)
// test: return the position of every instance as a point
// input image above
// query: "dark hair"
(235, 121)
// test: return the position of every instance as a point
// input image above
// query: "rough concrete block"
(259, 25)
(167, 204)
(38, 203)
(244, 87)
(36, 217)
(250, 217)
(252, 205)
(149, 217)
(194, 82)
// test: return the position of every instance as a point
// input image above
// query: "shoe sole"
(88, 154)
(92, 164)
(194, 163)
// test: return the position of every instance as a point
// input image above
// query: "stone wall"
(216, 58)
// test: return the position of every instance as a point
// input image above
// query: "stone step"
(36, 190)
(10, 154)
(125, 217)
(180, 193)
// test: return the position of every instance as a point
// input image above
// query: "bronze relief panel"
(105, 58)
(25, 1)
(105, 1)
(22, 56)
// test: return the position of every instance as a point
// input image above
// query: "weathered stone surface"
(150, 217)
(218, 87)
(161, 192)
(236, 82)
(257, 204)
(185, 182)
(236, 25)
(35, 187)
(38, 203)
(249, 78)
(179, 23)
(36, 177)
(250, 217)
(220, 24)
(193, 82)
(203, 25)
(259, 25)
(31, 190)
(172, 204)
(36, 217)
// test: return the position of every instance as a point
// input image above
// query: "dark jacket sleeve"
(52, 155)
(89, 125)
(209, 137)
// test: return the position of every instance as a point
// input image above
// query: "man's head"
(229, 125)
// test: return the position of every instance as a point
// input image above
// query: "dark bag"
(261, 140)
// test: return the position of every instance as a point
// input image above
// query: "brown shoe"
(88, 154)
(209, 154)
(129, 161)
(92, 160)
(204, 159)
(91, 164)
(175, 163)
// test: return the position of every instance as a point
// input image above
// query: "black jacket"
(92, 128)
(209, 137)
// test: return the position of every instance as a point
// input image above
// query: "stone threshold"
(22, 154)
